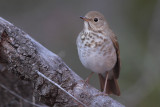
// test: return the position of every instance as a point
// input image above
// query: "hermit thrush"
(98, 51)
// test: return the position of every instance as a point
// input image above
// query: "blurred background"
(56, 25)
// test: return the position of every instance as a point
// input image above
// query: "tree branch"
(22, 55)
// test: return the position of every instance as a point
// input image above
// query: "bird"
(98, 51)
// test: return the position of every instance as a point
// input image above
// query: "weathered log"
(22, 55)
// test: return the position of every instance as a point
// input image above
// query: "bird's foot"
(102, 94)
(86, 81)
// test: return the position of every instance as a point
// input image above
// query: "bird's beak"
(84, 18)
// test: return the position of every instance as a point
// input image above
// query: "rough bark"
(22, 55)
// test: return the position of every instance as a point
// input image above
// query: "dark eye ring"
(96, 19)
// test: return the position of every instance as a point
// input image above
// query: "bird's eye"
(96, 19)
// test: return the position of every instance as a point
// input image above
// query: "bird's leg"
(88, 78)
(105, 85)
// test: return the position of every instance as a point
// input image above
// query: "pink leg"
(105, 85)
(88, 78)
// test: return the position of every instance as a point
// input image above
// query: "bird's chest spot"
(96, 45)
(94, 42)
(91, 40)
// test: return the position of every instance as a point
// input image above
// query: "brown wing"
(116, 68)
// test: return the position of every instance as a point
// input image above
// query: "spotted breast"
(96, 51)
